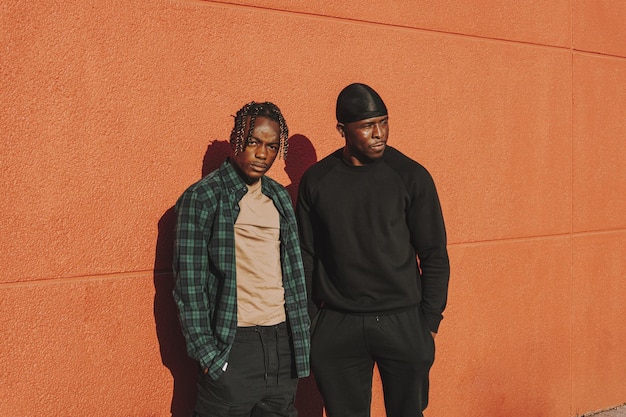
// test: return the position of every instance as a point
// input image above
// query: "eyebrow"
(261, 140)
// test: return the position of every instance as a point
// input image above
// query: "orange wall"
(516, 107)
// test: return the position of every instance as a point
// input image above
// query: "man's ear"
(340, 129)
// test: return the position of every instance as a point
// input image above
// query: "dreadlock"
(254, 110)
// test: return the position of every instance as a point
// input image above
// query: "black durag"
(357, 102)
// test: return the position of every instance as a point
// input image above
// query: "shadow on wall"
(309, 403)
(171, 340)
(300, 156)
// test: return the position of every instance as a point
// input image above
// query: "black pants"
(260, 379)
(345, 348)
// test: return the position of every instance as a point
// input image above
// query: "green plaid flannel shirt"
(204, 266)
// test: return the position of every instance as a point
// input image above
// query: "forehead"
(370, 120)
(265, 127)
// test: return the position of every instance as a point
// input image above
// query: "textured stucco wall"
(111, 109)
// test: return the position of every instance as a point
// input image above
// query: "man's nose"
(261, 152)
(377, 132)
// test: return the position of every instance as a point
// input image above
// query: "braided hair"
(254, 110)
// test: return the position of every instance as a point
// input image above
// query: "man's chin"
(377, 153)
(252, 177)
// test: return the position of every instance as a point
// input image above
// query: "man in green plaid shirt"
(240, 287)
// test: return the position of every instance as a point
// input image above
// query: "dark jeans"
(345, 348)
(260, 379)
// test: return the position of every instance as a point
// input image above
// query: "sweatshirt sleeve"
(428, 234)
(307, 243)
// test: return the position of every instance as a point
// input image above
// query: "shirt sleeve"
(428, 234)
(190, 267)
(307, 244)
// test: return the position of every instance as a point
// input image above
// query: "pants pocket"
(210, 401)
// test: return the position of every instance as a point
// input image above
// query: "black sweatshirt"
(361, 228)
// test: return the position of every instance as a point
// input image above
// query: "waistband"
(371, 313)
(269, 339)
(280, 327)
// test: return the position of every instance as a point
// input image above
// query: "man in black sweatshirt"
(374, 250)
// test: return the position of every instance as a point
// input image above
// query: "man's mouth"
(378, 145)
(259, 166)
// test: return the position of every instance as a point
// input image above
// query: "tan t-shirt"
(260, 292)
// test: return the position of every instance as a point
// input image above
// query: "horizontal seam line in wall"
(599, 232)
(82, 278)
(398, 26)
(539, 237)
(596, 54)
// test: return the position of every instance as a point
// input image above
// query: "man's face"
(365, 139)
(259, 151)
